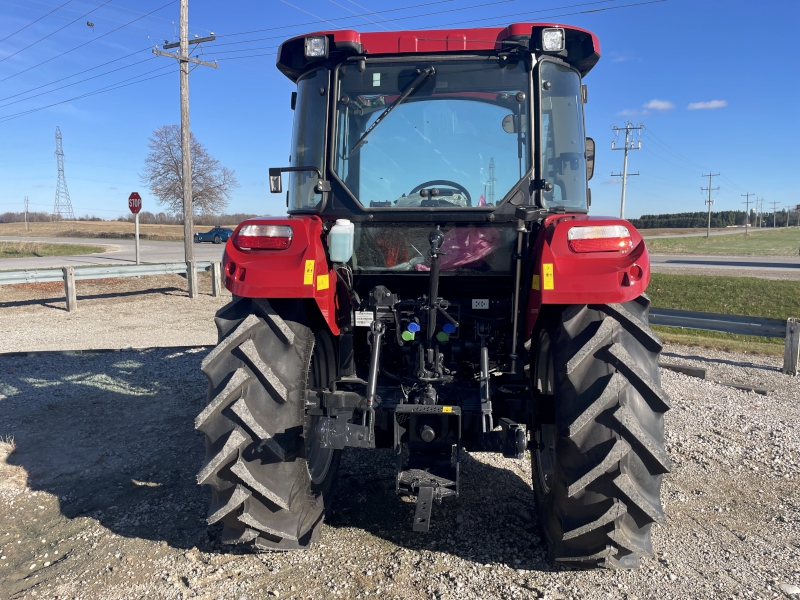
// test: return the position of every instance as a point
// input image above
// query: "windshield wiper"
(424, 74)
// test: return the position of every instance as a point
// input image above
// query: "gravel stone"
(104, 457)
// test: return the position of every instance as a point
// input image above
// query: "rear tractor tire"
(270, 481)
(598, 443)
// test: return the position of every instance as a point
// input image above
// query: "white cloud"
(707, 105)
(631, 112)
(659, 105)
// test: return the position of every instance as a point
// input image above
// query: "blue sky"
(714, 82)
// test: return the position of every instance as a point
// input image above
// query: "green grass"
(781, 242)
(727, 295)
(29, 249)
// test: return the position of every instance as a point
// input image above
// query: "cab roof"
(582, 46)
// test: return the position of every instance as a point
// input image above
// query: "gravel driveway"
(98, 499)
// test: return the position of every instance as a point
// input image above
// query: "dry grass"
(7, 445)
(28, 249)
(98, 229)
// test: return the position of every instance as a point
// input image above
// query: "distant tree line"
(38, 217)
(145, 217)
(148, 218)
(724, 218)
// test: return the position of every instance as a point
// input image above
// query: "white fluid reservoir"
(340, 241)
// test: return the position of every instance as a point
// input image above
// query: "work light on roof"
(316, 47)
(553, 39)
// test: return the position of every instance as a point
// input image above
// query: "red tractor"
(438, 287)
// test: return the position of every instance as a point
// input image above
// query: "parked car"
(217, 235)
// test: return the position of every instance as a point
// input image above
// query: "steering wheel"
(453, 184)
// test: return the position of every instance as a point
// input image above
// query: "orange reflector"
(263, 237)
(602, 238)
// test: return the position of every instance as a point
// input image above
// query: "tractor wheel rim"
(546, 455)
(318, 459)
(546, 433)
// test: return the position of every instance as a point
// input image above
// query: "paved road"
(119, 252)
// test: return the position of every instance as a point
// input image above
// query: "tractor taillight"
(603, 238)
(263, 237)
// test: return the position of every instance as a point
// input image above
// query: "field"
(659, 231)
(727, 295)
(99, 229)
(781, 242)
(28, 249)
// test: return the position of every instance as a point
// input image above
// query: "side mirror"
(275, 185)
(589, 157)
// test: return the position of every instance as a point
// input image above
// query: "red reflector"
(263, 237)
(601, 245)
(602, 238)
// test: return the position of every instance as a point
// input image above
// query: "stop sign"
(135, 202)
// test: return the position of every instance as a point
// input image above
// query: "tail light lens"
(263, 237)
(603, 238)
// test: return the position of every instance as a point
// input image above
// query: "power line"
(426, 4)
(53, 33)
(115, 86)
(747, 210)
(709, 189)
(77, 82)
(74, 74)
(87, 43)
(354, 12)
(36, 21)
(125, 8)
(629, 145)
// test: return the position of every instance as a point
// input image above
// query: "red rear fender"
(300, 271)
(561, 276)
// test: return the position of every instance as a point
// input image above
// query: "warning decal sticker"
(535, 283)
(547, 276)
(308, 275)
(323, 282)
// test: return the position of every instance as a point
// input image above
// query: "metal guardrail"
(94, 272)
(789, 329)
(737, 324)
(69, 275)
(742, 325)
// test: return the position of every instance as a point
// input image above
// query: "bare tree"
(212, 183)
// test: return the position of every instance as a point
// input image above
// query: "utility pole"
(629, 145)
(26, 213)
(759, 211)
(774, 214)
(709, 201)
(184, 59)
(747, 210)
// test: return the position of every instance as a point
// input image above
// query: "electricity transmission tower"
(629, 145)
(747, 209)
(490, 183)
(709, 201)
(26, 213)
(63, 206)
(184, 59)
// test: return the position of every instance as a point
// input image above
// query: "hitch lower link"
(335, 431)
